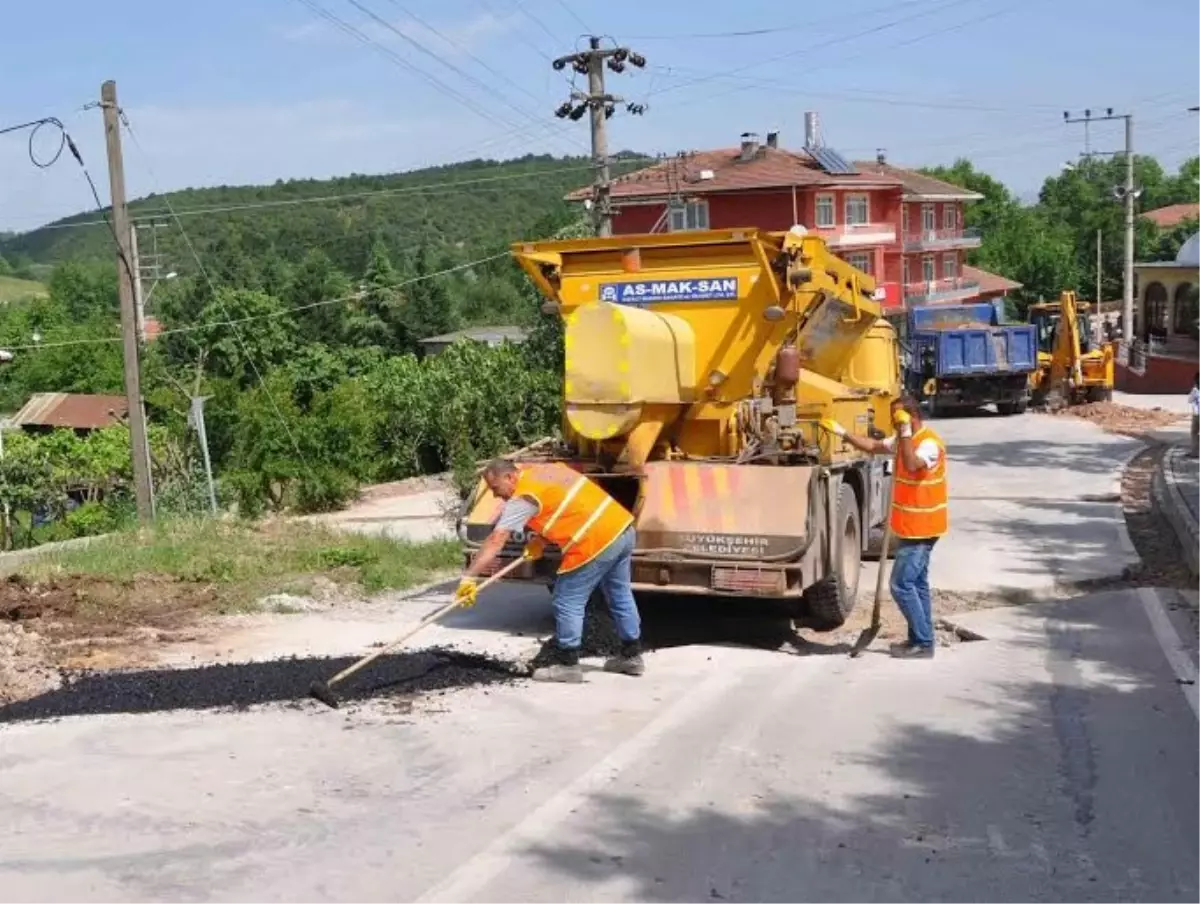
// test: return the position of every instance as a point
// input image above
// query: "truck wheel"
(829, 602)
(1099, 394)
(1005, 408)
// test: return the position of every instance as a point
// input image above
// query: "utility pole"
(126, 284)
(1129, 195)
(1099, 270)
(601, 105)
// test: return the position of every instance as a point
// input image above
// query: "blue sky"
(225, 92)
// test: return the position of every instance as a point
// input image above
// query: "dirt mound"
(26, 668)
(1117, 418)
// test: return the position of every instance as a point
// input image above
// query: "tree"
(376, 318)
(313, 283)
(247, 331)
(429, 309)
(997, 202)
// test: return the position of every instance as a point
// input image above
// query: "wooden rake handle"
(423, 623)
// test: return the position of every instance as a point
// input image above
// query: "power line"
(284, 312)
(805, 26)
(574, 15)
(421, 48)
(854, 36)
(217, 298)
(448, 187)
(459, 46)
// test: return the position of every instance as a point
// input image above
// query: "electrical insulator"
(616, 66)
(581, 67)
(637, 59)
(577, 113)
(620, 55)
(609, 110)
(559, 65)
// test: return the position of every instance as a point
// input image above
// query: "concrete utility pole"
(601, 105)
(197, 417)
(126, 277)
(1129, 195)
(1099, 268)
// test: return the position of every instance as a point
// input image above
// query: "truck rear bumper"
(654, 574)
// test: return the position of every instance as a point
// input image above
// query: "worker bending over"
(919, 515)
(596, 537)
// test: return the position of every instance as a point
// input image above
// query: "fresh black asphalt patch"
(242, 685)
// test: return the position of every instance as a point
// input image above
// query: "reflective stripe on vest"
(574, 513)
(920, 506)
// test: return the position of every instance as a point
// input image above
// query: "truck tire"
(1005, 409)
(829, 602)
(1099, 394)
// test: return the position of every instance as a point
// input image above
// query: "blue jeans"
(611, 571)
(910, 589)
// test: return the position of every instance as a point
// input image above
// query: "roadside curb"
(1123, 539)
(1167, 497)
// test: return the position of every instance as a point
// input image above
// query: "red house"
(902, 227)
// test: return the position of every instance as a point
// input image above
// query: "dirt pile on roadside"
(1124, 419)
(26, 668)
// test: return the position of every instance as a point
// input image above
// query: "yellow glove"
(902, 421)
(832, 426)
(534, 549)
(467, 592)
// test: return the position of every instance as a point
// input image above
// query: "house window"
(928, 271)
(949, 266)
(858, 210)
(904, 270)
(689, 215)
(826, 215)
(904, 219)
(928, 218)
(949, 218)
(860, 260)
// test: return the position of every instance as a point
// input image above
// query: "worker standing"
(596, 537)
(919, 516)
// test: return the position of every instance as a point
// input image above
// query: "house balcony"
(942, 239)
(940, 290)
(862, 235)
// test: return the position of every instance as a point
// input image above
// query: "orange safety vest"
(573, 512)
(919, 500)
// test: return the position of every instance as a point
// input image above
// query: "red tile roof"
(990, 282)
(918, 185)
(1172, 215)
(66, 409)
(770, 168)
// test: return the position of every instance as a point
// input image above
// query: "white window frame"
(950, 266)
(928, 269)
(904, 219)
(904, 274)
(866, 258)
(832, 211)
(866, 203)
(687, 216)
(928, 218)
(950, 217)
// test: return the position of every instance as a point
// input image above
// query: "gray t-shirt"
(516, 514)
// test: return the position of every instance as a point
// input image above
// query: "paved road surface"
(1055, 761)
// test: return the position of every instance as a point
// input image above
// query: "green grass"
(242, 562)
(12, 289)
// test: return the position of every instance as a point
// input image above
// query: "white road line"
(474, 875)
(1172, 646)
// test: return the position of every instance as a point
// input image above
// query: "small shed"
(488, 335)
(76, 411)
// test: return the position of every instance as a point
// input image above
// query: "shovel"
(869, 634)
(323, 690)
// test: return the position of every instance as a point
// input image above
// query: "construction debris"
(1123, 419)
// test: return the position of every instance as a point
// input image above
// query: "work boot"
(565, 670)
(628, 661)
(911, 651)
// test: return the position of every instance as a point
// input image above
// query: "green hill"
(477, 203)
(12, 289)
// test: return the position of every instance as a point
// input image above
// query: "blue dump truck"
(959, 357)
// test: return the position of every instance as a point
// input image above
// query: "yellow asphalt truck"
(697, 367)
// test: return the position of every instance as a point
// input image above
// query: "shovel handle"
(425, 622)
